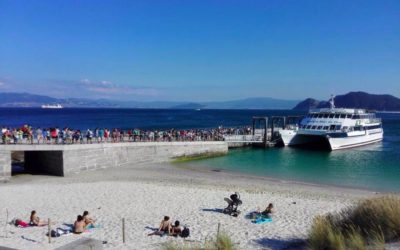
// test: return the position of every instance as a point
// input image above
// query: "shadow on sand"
(282, 244)
(215, 210)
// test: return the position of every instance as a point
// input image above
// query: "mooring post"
(49, 227)
(123, 230)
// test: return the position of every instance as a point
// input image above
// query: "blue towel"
(261, 220)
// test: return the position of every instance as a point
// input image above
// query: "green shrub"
(221, 242)
(363, 226)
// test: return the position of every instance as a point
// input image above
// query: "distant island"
(8, 99)
(349, 100)
(360, 100)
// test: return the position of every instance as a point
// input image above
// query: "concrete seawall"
(61, 160)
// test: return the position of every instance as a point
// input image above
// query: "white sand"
(145, 194)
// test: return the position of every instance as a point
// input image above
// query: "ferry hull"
(354, 141)
(292, 138)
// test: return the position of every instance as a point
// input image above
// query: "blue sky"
(199, 50)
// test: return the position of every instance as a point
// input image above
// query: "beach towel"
(261, 220)
(92, 226)
(20, 223)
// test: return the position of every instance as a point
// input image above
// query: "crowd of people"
(29, 135)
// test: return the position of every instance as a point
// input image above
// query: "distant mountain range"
(31, 100)
(355, 100)
(350, 100)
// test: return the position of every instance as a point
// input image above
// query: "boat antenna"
(332, 102)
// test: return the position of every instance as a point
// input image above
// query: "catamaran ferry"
(52, 106)
(339, 128)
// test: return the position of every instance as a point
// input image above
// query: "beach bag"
(185, 232)
(54, 234)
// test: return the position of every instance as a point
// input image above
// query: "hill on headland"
(360, 100)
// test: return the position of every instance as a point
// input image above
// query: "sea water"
(375, 167)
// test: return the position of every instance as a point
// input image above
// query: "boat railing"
(374, 120)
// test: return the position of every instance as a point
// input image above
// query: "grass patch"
(366, 225)
(196, 157)
(221, 242)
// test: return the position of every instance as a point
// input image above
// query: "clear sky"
(199, 50)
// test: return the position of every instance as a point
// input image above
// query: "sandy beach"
(144, 194)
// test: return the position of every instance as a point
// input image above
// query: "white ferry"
(340, 128)
(52, 106)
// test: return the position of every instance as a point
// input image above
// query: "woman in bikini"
(269, 210)
(79, 225)
(89, 222)
(176, 229)
(35, 220)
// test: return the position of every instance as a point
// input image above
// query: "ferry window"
(358, 128)
(319, 127)
(345, 128)
(326, 127)
(356, 116)
(331, 115)
(326, 115)
(309, 126)
(349, 116)
(315, 115)
(332, 127)
(342, 116)
(320, 115)
(338, 127)
(337, 116)
(313, 127)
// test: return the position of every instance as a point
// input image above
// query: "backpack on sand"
(185, 232)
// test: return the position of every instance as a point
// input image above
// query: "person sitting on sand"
(35, 220)
(176, 229)
(87, 219)
(269, 210)
(165, 227)
(79, 225)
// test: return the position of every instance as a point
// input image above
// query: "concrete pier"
(61, 160)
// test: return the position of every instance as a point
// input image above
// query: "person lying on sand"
(87, 219)
(165, 227)
(79, 225)
(176, 229)
(35, 220)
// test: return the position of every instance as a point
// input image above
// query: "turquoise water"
(374, 167)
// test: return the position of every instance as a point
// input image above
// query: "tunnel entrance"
(17, 163)
(37, 163)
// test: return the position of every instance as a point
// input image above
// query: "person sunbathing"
(35, 220)
(79, 225)
(165, 227)
(269, 210)
(176, 229)
(89, 222)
